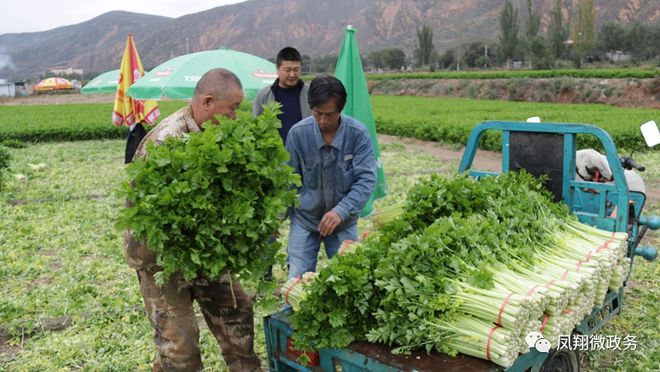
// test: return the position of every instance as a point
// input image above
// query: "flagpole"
(358, 105)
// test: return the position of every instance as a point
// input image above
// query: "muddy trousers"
(170, 311)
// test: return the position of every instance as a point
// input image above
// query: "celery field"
(450, 120)
(68, 300)
(447, 120)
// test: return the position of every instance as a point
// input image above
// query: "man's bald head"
(218, 92)
(218, 83)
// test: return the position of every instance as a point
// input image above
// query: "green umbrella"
(177, 77)
(358, 105)
(104, 83)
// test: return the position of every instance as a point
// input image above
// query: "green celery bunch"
(209, 201)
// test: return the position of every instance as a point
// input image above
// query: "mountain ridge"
(262, 27)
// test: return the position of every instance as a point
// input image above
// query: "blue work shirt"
(337, 177)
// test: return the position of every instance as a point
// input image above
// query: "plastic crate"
(281, 355)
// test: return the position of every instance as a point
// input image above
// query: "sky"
(41, 15)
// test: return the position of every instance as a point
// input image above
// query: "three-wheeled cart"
(541, 149)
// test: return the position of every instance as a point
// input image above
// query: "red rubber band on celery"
(286, 295)
(546, 317)
(504, 303)
(490, 337)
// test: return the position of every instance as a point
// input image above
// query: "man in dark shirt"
(289, 98)
(288, 90)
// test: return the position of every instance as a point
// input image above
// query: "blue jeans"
(303, 247)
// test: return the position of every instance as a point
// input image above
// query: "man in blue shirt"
(335, 158)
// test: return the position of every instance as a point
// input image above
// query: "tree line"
(575, 39)
(521, 43)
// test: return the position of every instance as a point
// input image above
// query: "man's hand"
(328, 223)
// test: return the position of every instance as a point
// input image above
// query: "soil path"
(483, 160)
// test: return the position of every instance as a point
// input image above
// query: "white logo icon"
(536, 340)
(542, 345)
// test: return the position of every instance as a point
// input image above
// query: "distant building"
(7, 89)
(23, 89)
(66, 71)
(618, 56)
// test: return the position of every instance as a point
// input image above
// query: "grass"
(62, 266)
(639, 318)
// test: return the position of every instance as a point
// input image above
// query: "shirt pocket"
(345, 172)
(310, 176)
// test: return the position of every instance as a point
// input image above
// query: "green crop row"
(450, 120)
(536, 74)
(70, 122)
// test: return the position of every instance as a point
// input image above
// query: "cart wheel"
(562, 361)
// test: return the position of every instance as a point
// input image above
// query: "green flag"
(358, 105)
